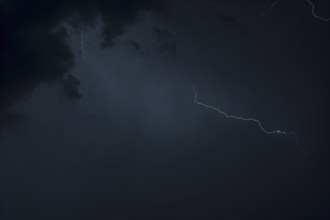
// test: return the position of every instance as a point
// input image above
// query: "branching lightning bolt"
(308, 1)
(278, 132)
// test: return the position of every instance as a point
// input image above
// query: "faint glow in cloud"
(82, 44)
(70, 30)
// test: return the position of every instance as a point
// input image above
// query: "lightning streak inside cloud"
(308, 1)
(278, 132)
(69, 30)
(82, 45)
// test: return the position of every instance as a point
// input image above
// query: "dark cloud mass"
(166, 41)
(71, 87)
(229, 20)
(99, 121)
(34, 53)
(135, 45)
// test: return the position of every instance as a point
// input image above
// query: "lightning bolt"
(308, 1)
(315, 15)
(277, 132)
(270, 8)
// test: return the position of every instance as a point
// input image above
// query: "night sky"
(100, 120)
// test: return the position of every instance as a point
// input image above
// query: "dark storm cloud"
(136, 146)
(227, 19)
(135, 45)
(11, 118)
(166, 40)
(32, 56)
(34, 53)
(70, 86)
